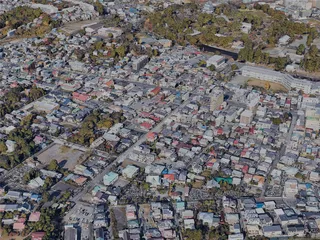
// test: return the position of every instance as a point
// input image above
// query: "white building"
(284, 40)
(285, 80)
(216, 99)
(290, 188)
(217, 60)
(116, 32)
(246, 117)
(140, 62)
(11, 146)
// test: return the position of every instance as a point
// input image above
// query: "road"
(157, 128)
(123, 156)
(280, 153)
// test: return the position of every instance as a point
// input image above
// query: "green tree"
(280, 63)
(193, 234)
(202, 63)
(53, 165)
(3, 147)
(99, 7)
(212, 68)
(300, 50)
(234, 67)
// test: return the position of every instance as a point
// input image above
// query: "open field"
(276, 87)
(74, 27)
(65, 156)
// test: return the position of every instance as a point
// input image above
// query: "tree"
(234, 67)
(99, 7)
(313, 51)
(193, 234)
(3, 147)
(202, 63)
(300, 50)
(36, 93)
(45, 196)
(53, 165)
(280, 63)
(105, 123)
(121, 51)
(212, 68)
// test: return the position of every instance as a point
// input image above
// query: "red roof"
(154, 118)
(220, 131)
(169, 177)
(156, 90)
(110, 83)
(151, 136)
(34, 217)
(146, 125)
(145, 114)
(21, 220)
(245, 168)
(80, 97)
(37, 235)
(18, 226)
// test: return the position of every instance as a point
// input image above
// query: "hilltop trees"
(311, 60)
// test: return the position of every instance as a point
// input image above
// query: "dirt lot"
(276, 87)
(73, 27)
(65, 156)
(121, 219)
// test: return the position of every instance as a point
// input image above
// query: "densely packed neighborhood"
(109, 131)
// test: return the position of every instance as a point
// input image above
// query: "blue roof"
(165, 171)
(308, 185)
(259, 205)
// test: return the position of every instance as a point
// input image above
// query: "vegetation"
(12, 99)
(53, 165)
(311, 60)
(17, 17)
(25, 147)
(221, 232)
(88, 130)
(300, 50)
(187, 24)
(193, 234)
(34, 173)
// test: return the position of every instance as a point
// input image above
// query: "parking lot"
(82, 213)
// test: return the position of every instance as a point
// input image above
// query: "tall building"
(140, 62)
(246, 117)
(216, 99)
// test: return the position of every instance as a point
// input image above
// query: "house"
(19, 226)
(238, 236)
(189, 224)
(284, 40)
(209, 219)
(272, 231)
(110, 178)
(130, 171)
(153, 180)
(187, 214)
(34, 217)
(80, 97)
(155, 91)
(217, 60)
(37, 235)
(11, 146)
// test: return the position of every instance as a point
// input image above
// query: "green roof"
(220, 179)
